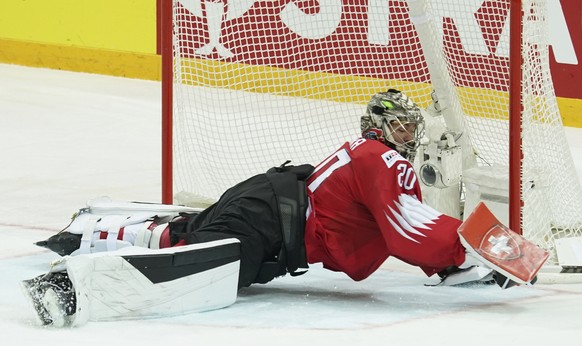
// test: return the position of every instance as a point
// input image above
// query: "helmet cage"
(387, 111)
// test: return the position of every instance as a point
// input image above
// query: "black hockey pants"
(251, 212)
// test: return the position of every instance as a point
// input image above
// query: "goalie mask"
(393, 119)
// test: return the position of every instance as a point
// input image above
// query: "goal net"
(256, 83)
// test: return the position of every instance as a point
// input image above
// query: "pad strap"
(113, 232)
(144, 234)
(87, 237)
(157, 236)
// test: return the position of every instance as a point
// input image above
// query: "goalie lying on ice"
(351, 212)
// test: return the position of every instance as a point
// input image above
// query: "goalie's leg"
(135, 282)
(106, 225)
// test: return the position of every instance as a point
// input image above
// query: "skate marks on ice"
(319, 299)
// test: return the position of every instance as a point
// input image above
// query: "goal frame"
(166, 42)
(515, 113)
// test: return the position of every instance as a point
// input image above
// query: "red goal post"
(249, 84)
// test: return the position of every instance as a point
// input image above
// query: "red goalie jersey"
(365, 205)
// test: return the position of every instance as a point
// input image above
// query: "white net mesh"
(260, 82)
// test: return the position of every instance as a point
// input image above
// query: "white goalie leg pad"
(137, 283)
(108, 214)
(106, 206)
(105, 215)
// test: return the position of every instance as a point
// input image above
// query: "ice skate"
(53, 298)
(63, 243)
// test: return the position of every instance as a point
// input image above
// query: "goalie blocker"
(501, 249)
(136, 282)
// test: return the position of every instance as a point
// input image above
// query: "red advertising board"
(353, 40)
(566, 58)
